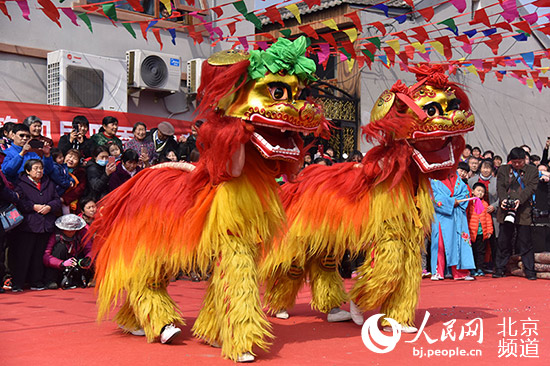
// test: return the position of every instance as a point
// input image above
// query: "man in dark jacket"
(516, 184)
(163, 140)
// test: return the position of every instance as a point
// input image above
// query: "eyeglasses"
(23, 136)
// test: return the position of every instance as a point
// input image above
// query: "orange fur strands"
(390, 157)
(218, 82)
(219, 138)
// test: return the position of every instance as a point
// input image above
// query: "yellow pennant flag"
(167, 5)
(394, 43)
(331, 24)
(472, 69)
(530, 83)
(293, 8)
(544, 69)
(351, 62)
(352, 34)
(420, 47)
(438, 46)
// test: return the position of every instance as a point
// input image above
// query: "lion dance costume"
(382, 207)
(221, 214)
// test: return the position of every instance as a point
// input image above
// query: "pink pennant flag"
(219, 32)
(70, 13)
(403, 67)
(478, 64)
(531, 18)
(425, 56)
(263, 45)
(510, 12)
(460, 5)
(539, 84)
(324, 53)
(343, 57)
(24, 8)
(244, 42)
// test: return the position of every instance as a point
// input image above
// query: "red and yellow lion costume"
(222, 213)
(382, 207)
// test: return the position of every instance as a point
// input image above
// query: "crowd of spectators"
(504, 211)
(55, 189)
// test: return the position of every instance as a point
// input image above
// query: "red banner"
(57, 121)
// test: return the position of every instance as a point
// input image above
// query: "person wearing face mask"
(78, 173)
(141, 145)
(516, 184)
(98, 172)
(126, 170)
(107, 133)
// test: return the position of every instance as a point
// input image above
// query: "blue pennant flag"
(470, 33)
(488, 32)
(172, 32)
(521, 37)
(382, 7)
(401, 19)
(529, 58)
(151, 23)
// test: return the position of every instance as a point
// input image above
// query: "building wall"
(507, 113)
(23, 78)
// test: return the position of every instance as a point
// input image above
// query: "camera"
(510, 206)
(76, 276)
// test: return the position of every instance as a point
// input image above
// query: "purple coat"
(119, 177)
(29, 195)
(81, 249)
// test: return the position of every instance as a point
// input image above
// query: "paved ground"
(57, 327)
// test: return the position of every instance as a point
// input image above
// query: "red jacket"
(474, 219)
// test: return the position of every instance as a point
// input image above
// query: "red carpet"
(58, 328)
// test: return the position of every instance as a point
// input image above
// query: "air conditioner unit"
(153, 70)
(78, 79)
(194, 67)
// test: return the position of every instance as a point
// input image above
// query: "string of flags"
(453, 38)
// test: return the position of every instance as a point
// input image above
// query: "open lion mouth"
(274, 143)
(433, 153)
(277, 138)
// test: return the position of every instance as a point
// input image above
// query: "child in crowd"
(480, 223)
(68, 255)
(78, 173)
(89, 209)
(60, 174)
(114, 150)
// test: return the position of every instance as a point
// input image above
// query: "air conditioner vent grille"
(154, 71)
(84, 86)
(53, 83)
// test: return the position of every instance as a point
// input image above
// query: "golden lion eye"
(433, 109)
(279, 91)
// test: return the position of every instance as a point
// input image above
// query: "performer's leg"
(282, 288)
(401, 303)
(380, 275)
(207, 326)
(327, 287)
(243, 323)
(151, 306)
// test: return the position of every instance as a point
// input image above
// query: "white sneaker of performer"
(168, 333)
(356, 314)
(338, 315)
(283, 314)
(245, 357)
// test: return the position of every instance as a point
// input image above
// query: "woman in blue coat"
(451, 246)
(38, 202)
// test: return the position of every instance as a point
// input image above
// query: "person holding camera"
(516, 184)
(68, 255)
(77, 139)
(21, 151)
